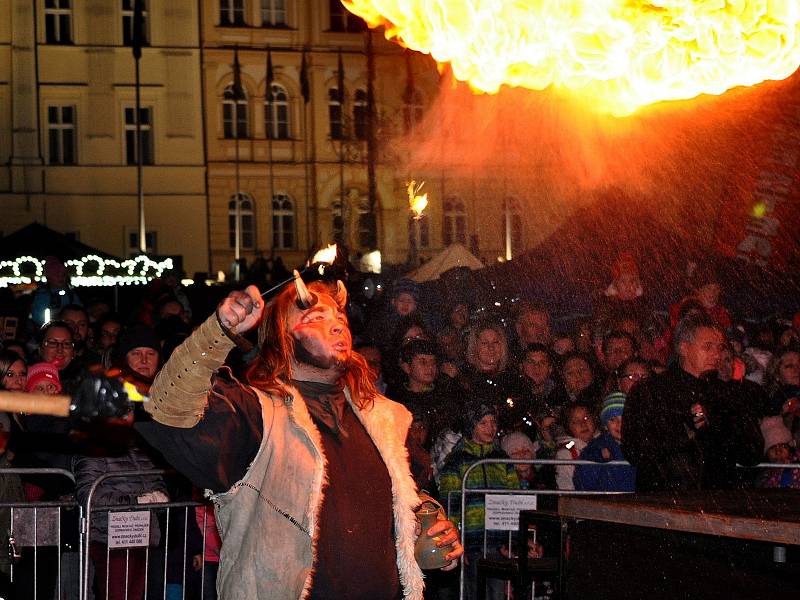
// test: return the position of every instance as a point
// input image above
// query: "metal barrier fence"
(49, 545)
(36, 540)
(44, 557)
(143, 556)
(542, 492)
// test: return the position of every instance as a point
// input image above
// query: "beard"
(309, 351)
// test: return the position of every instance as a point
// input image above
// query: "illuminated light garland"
(107, 271)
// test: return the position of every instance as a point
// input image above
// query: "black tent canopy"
(39, 241)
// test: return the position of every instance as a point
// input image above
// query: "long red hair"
(273, 365)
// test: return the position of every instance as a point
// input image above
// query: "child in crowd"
(43, 379)
(778, 449)
(518, 445)
(579, 422)
(605, 448)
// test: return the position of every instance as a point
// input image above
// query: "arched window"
(454, 224)
(234, 111)
(247, 222)
(352, 221)
(338, 222)
(282, 222)
(335, 114)
(512, 225)
(366, 225)
(277, 113)
(360, 115)
(413, 111)
(343, 20)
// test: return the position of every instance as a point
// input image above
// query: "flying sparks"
(617, 55)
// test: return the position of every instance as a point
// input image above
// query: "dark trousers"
(111, 575)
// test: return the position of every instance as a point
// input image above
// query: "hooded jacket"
(609, 478)
(498, 476)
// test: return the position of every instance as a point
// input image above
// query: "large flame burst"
(617, 54)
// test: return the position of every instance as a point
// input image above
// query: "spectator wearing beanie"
(624, 298)
(43, 379)
(778, 449)
(605, 448)
(138, 356)
(518, 445)
(478, 442)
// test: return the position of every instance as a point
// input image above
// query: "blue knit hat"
(406, 286)
(613, 406)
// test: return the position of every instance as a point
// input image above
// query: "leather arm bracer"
(178, 396)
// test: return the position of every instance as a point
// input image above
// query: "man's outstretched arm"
(178, 395)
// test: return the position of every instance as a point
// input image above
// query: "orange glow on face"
(616, 55)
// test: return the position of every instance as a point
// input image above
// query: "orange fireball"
(618, 55)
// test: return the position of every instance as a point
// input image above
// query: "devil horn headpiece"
(305, 298)
(341, 294)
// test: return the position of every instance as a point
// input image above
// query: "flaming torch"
(322, 258)
(416, 202)
(319, 262)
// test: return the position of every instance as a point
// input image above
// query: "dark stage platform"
(700, 545)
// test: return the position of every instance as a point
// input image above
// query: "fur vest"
(269, 519)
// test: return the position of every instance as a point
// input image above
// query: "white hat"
(516, 440)
(774, 432)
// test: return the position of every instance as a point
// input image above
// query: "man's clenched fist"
(241, 310)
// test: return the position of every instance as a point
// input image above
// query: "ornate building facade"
(269, 129)
(67, 124)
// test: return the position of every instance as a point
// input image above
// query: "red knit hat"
(42, 371)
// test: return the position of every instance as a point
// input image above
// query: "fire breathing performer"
(307, 464)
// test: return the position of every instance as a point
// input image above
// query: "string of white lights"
(88, 271)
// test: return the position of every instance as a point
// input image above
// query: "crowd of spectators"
(61, 343)
(681, 403)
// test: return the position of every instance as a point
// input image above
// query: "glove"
(100, 397)
(154, 497)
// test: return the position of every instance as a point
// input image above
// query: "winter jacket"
(496, 476)
(116, 491)
(667, 451)
(495, 389)
(55, 299)
(569, 448)
(614, 478)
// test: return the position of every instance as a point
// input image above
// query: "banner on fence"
(502, 511)
(129, 529)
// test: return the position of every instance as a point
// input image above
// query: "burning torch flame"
(325, 255)
(617, 54)
(417, 202)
